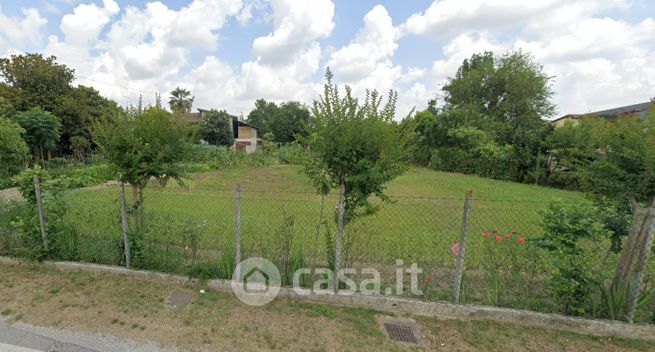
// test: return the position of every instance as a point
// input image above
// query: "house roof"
(640, 109)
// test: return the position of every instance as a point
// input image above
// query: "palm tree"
(180, 100)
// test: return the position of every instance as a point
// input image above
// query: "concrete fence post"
(39, 205)
(459, 260)
(339, 239)
(237, 256)
(124, 227)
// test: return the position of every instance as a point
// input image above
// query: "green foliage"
(292, 153)
(42, 130)
(491, 121)
(13, 149)
(359, 145)
(78, 111)
(35, 81)
(286, 123)
(61, 234)
(150, 144)
(180, 100)
(216, 128)
(577, 238)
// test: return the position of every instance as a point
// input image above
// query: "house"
(246, 136)
(640, 110)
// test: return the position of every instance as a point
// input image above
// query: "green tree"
(78, 111)
(216, 128)
(359, 147)
(139, 147)
(507, 98)
(262, 115)
(13, 149)
(35, 81)
(291, 123)
(615, 162)
(180, 100)
(287, 122)
(42, 130)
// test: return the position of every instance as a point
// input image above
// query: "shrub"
(578, 241)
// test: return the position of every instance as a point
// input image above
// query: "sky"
(228, 53)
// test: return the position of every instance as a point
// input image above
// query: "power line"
(117, 85)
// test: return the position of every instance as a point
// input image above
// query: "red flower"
(486, 235)
(520, 240)
(455, 248)
(508, 236)
(494, 231)
(498, 238)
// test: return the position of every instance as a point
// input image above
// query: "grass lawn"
(135, 309)
(418, 226)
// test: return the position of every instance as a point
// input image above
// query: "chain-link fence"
(193, 231)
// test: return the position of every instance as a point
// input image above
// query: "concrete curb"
(389, 304)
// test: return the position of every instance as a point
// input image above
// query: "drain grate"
(401, 332)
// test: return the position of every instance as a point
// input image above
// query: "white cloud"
(591, 56)
(298, 23)
(20, 33)
(599, 57)
(86, 21)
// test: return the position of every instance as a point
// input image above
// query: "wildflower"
(455, 248)
(494, 231)
(521, 240)
(513, 232)
(498, 238)
(508, 236)
(486, 235)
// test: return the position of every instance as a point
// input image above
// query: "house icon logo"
(256, 281)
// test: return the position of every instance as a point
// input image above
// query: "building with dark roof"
(640, 110)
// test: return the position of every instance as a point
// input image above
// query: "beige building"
(246, 136)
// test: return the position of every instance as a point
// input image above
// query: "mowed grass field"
(418, 225)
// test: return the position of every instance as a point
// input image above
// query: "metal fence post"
(126, 239)
(39, 205)
(459, 264)
(237, 257)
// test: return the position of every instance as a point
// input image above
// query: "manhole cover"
(402, 330)
(180, 300)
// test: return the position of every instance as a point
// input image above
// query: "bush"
(578, 240)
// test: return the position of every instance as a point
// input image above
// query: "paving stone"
(179, 299)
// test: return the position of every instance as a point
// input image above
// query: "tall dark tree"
(35, 80)
(42, 130)
(180, 100)
(262, 115)
(492, 120)
(286, 121)
(216, 128)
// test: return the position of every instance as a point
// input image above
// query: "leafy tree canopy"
(357, 144)
(36, 81)
(216, 128)
(287, 122)
(506, 99)
(43, 130)
(13, 149)
(145, 145)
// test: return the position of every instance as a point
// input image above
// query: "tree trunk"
(124, 226)
(339, 240)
